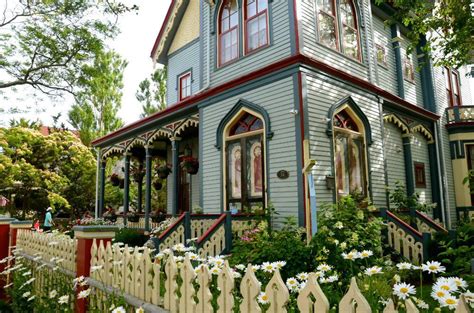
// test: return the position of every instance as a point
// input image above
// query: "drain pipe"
(210, 3)
(444, 204)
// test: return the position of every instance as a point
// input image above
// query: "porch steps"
(211, 234)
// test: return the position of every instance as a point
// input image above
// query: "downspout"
(387, 194)
(366, 26)
(210, 3)
(96, 212)
(444, 204)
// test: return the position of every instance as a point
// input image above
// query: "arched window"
(256, 24)
(228, 32)
(245, 163)
(331, 20)
(349, 154)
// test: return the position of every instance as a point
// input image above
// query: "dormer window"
(184, 86)
(228, 32)
(331, 20)
(256, 24)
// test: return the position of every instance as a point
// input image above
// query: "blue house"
(295, 104)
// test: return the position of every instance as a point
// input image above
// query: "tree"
(44, 43)
(39, 171)
(448, 25)
(98, 102)
(152, 92)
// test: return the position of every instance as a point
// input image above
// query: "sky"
(134, 44)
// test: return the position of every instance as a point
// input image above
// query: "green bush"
(259, 245)
(131, 237)
(4, 307)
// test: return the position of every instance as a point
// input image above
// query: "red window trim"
(255, 16)
(356, 25)
(336, 24)
(451, 91)
(458, 87)
(221, 34)
(420, 166)
(180, 79)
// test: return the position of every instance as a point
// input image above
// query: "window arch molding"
(350, 103)
(358, 25)
(238, 107)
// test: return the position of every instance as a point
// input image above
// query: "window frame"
(339, 28)
(408, 60)
(221, 34)
(385, 62)
(453, 98)
(419, 166)
(186, 75)
(248, 19)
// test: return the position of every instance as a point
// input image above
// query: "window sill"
(251, 52)
(356, 61)
(409, 81)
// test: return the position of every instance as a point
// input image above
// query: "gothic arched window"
(331, 20)
(245, 163)
(349, 154)
(256, 24)
(228, 32)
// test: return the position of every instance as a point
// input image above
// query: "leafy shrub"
(345, 227)
(259, 245)
(4, 307)
(130, 237)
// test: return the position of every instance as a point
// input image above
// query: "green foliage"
(152, 92)
(456, 253)
(100, 98)
(449, 23)
(344, 227)
(131, 237)
(44, 44)
(56, 170)
(5, 307)
(258, 245)
(403, 202)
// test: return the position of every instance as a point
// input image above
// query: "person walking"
(48, 220)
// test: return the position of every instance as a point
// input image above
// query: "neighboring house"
(259, 91)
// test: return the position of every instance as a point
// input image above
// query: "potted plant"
(158, 216)
(133, 217)
(138, 172)
(115, 179)
(163, 171)
(157, 184)
(190, 164)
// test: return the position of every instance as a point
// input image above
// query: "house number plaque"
(283, 174)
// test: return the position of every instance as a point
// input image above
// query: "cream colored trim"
(187, 30)
(392, 118)
(94, 235)
(6, 222)
(136, 142)
(191, 122)
(159, 133)
(255, 132)
(112, 150)
(20, 226)
(424, 131)
(226, 137)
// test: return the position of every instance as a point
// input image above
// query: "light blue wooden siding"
(441, 105)
(413, 92)
(322, 94)
(179, 62)
(277, 99)
(327, 55)
(394, 155)
(280, 45)
(386, 76)
(419, 151)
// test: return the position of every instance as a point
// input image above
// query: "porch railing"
(427, 224)
(460, 114)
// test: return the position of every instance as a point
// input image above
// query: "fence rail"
(427, 224)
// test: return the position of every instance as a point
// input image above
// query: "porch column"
(102, 188)
(396, 38)
(175, 170)
(434, 175)
(140, 187)
(406, 139)
(148, 174)
(126, 187)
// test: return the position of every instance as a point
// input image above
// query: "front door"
(183, 190)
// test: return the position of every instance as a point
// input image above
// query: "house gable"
(187, 30)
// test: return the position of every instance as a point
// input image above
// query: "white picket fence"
(58, 248)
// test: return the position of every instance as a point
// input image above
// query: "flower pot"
(133, 218)
(192, 170)
(157, 185)
(158, 218)
(112, 218)
(122, 184)
(114, 180)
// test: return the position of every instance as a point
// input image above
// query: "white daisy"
(292, 284)
(433, 267)
(240, 267)
(351, 255)
(63, 299)
(324, 267)
(268, 267)
(302, 276)
(279, 264)
(119, 310)
(365, 254)
(403, 290)
(461, 283)
(449, 301)
(84, 294)
(263, 298)
(332, 278)
(215, 270)
(53, 294)
(404, 266)
(445, 284)
(373, 270)
(255, 268)
(439, 294)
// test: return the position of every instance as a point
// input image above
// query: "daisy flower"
(324, 267)
(26, 294)
(302, 276)
(236, 274)
(263, 298)
(403, 290)
(445, 284)
(449, 301)
(292, 284)
(373, 270)
(332, 278)
(279, 264)
(255, 268)
(268, 267)
(215, 270)
(461, 283)
(120, 309)
(404, 266)
(433, 267)
(84, 294)
(63, 299)
(365, 254)
(351, 255)
(339, 225)
(140, 310)
(240, 267)
(439, 294)
(53, 294)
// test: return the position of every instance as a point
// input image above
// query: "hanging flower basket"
(138, 172)
(190, 164)
(158, 216)
(133, 217)
(163, 171)
(122, 184)
(115, 180)
(157, 185)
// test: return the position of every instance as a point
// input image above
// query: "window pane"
(252, 34)
(408, 72)
(381, 56)
(455, 83)
(350, 43)
(356, 168)
(342, 172)
(234, 170)
(234, 19)
(225, 24)
(347, 15)
(251, 8)
(254, 168)
(326, 6)
(327, 30)
(262, 5)
(262, 26)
